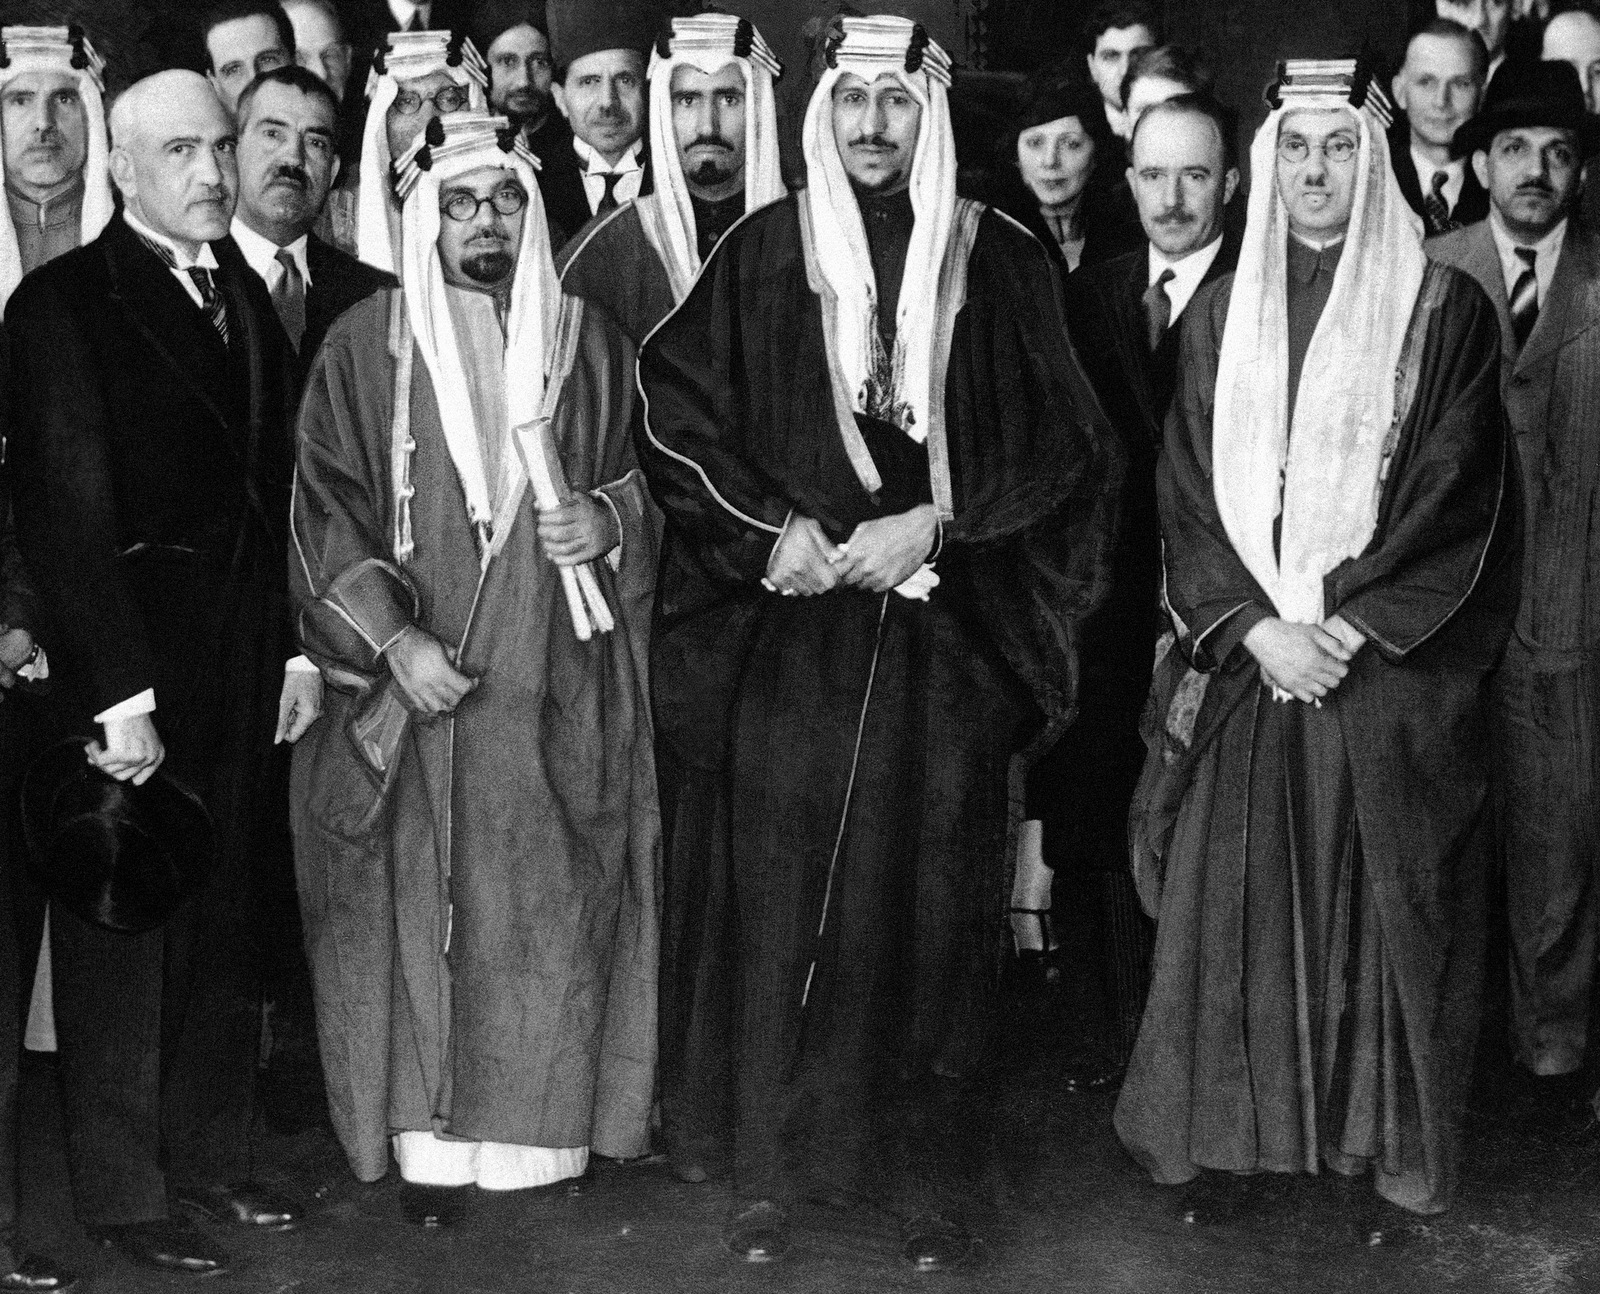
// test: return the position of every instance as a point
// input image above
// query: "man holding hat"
(475, 816)
(1540, 266)
(600, 48)
(1312, 829)
(885, 478)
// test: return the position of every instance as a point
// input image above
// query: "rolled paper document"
(585, 602)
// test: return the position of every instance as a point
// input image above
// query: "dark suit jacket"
(151, 467)
(566, 205)
(1471, 206)
(1551, 389)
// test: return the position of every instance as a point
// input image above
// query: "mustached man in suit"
(151, 467)
(1541, 268)
(1438, 87)
(1122, 318)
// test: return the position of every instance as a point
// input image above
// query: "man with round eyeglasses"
(492, 918)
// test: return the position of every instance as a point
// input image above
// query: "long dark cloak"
(1372, 1059)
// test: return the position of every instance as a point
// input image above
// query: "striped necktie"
(210, 299)
(1436, 211)
(1525, 297)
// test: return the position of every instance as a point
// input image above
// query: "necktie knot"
(608, 199)
(1158, 308)
(1440, 179)
(1435, 210)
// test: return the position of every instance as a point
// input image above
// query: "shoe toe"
(935, 1245)
(758, 1234)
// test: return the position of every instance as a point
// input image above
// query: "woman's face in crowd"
(1055, 159)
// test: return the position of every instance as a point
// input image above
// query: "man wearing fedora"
(1541, 268)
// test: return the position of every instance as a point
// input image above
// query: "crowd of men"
(662, 575)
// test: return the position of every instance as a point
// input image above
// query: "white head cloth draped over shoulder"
(870, 47)
(453, 145)
(60, 49)
(709, 42)
(409, 56)
(1324, 457)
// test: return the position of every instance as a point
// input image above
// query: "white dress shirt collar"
(262, 253)
(1547, 251)
(594, 164)
(401, 11)
(1455, 172)
(1186, 272)
(206, 260)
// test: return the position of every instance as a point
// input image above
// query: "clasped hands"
(880, 554)
(1306, 661)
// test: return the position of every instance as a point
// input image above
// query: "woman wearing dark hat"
(1048, 161)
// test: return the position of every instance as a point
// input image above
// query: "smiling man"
(884, 516)
(1438, 88)
(1541, 267)
(1341, 564)
(162, 564)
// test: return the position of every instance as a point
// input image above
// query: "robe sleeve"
(1208, 587)
(1447, 499)
(352, 600)
(691, 373)
(66, 511)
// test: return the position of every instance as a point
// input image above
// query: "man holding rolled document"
(476, 826)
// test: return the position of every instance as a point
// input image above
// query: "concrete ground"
(1060, 1208)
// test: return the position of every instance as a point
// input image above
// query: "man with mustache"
(1122, 317)
(1438, 87)
(149, 447)
(600, 51)
(288, 120)
(886, 484)
(516, 46)
(1311, 830)
(1540, 266)
(475, 818)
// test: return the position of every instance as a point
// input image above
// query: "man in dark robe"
(475, 816)
(1312, 829)
(151, 469)
(885, 482)
(1123, 318)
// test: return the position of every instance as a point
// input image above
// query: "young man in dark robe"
(1312, 832)
(885, 481)
(475, 817)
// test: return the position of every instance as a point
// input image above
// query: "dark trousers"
(1547, 795)
(12, 1001)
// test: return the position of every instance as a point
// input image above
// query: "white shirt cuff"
(143, 703)
(299, 665)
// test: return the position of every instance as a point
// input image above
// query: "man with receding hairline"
(1438, 87)
(151, 474)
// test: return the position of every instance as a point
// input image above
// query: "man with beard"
(714, 145)
(600, 51)
(516, 47)
(1438, 88)
(419, 76)
(865, 380)
(1123, 318)
(287, 120)
(1541, 267)
(242, 39)
(1312, 828)
(151, 470)
(479, 844)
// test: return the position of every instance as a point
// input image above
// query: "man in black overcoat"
(151, 467)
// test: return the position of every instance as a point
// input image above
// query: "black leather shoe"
(432, 1206)
(1377, 1224)
(37, 1274)
(758, 1233)
(1216, 1199)
(170, 1245)
(935, 1244)
(1105, 1076)
(245, 1205)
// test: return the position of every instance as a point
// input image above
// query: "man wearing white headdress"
(476, 823)
(1342, 567)
(884, 480)
(418, 76)
(58, 177)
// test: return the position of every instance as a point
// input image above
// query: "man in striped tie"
(1541, 267)
(151, 471)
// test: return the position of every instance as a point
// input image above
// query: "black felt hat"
(117, 855)
(580, 27)
(1526, 92)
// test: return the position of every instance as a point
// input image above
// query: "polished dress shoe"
(39, 1275)
(1216, 1199)
(169, 1245)
(934, 1244)
(1105, 1076)
(758, 1233)
(432, 1206)
(245, 1205)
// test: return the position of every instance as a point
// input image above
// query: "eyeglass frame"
(462, 99)
(461, 195)
(1321, 146)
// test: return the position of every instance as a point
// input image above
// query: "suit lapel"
(1132, 329)
(1481, 259)
(1573, 306)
